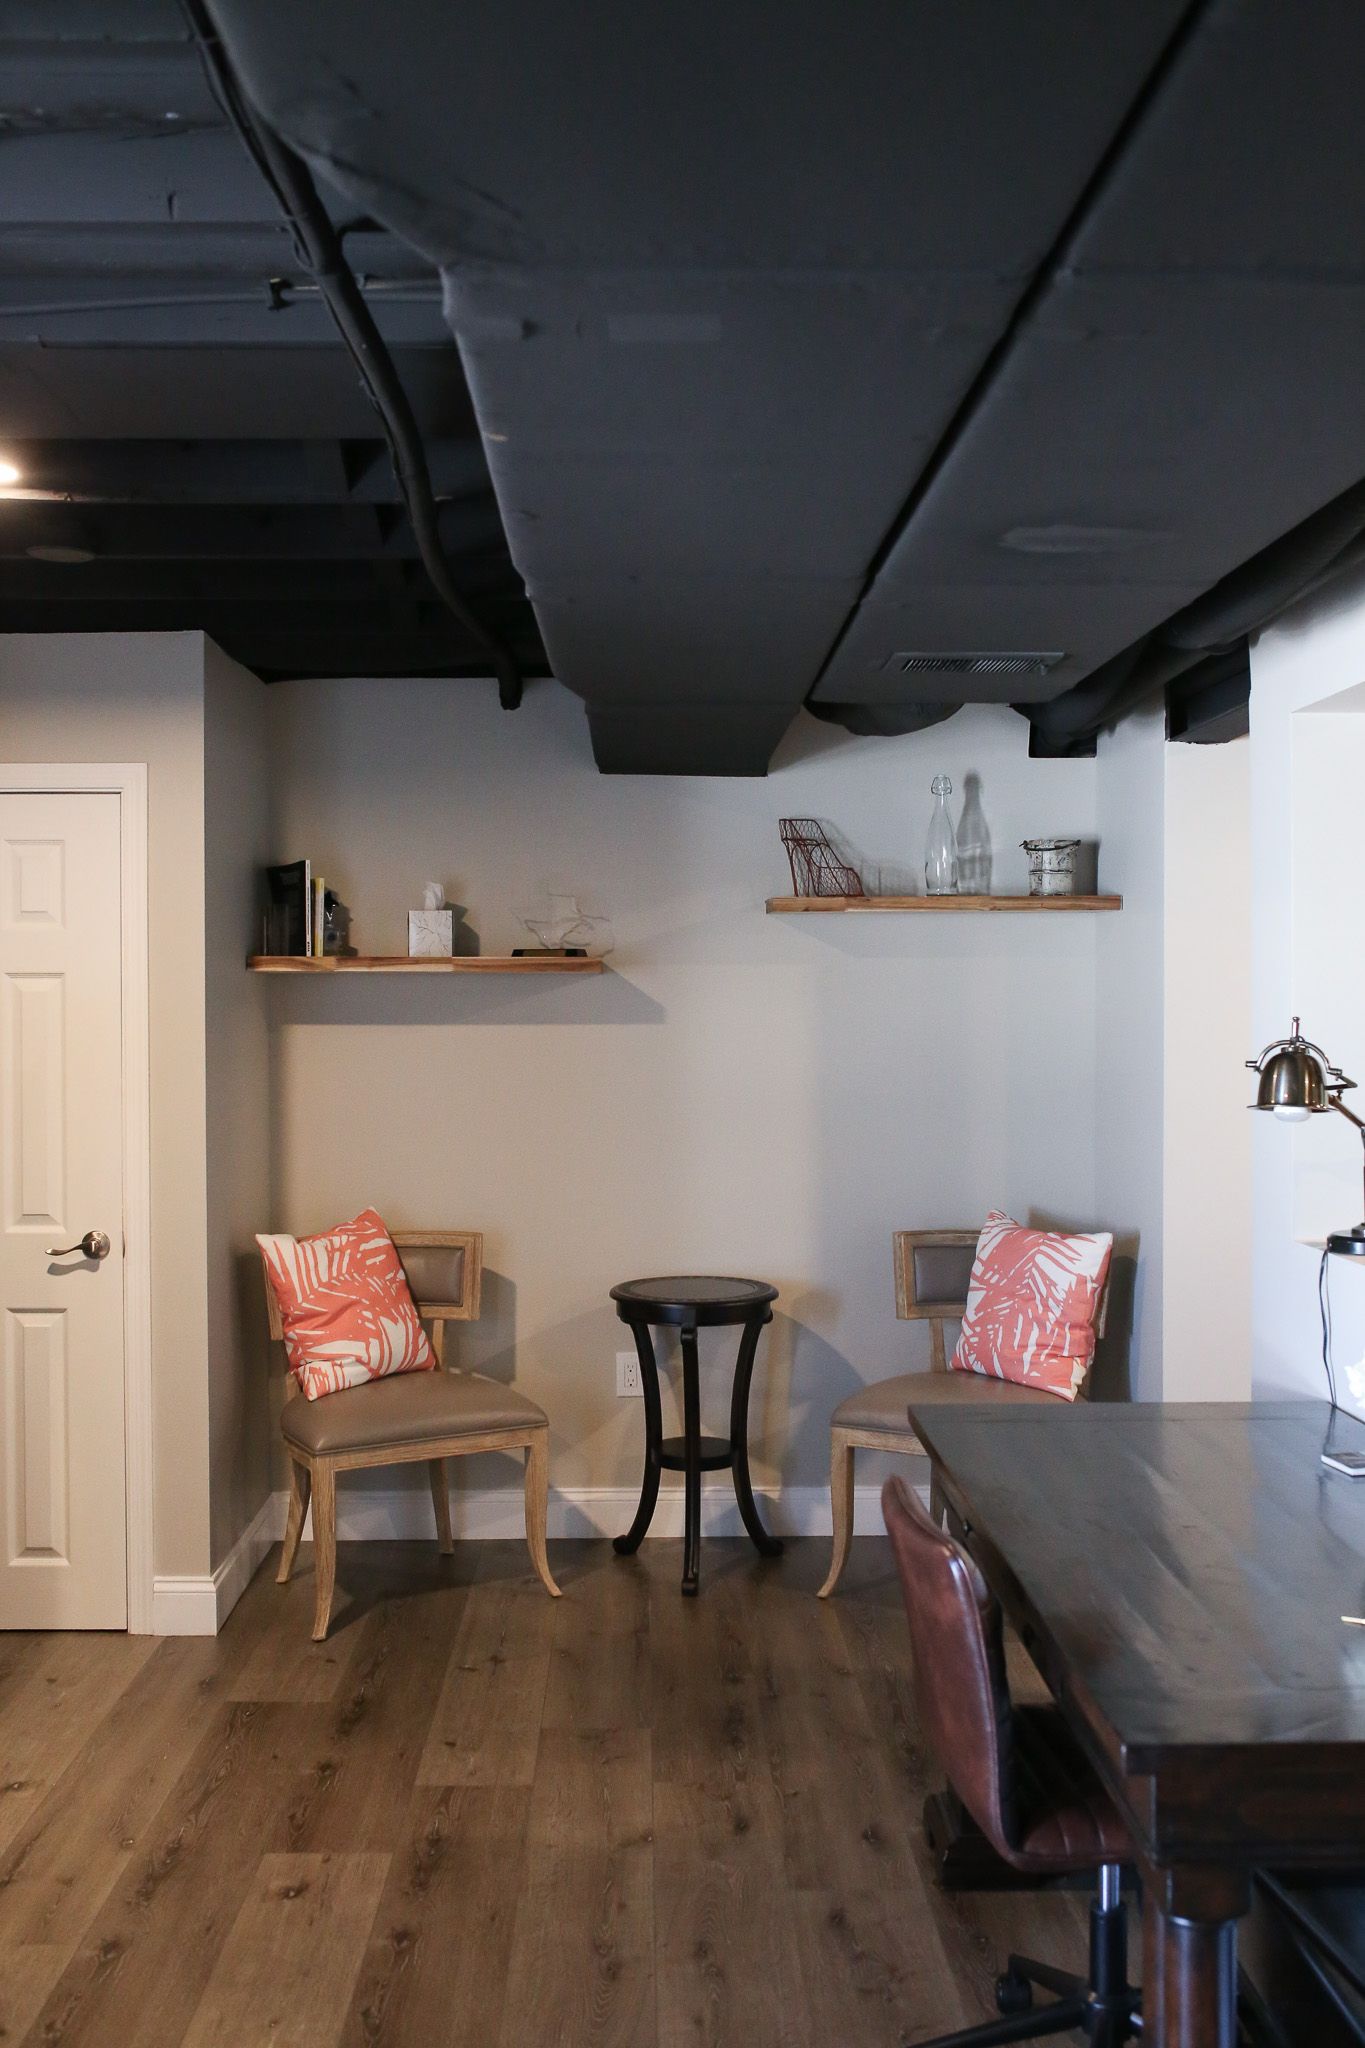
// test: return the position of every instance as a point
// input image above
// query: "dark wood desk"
(1180, 1573)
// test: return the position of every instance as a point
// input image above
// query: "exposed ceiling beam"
(228, 472)
(206, 533)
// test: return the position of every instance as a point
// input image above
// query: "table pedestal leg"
(1190, 1975)
(1153, 1969)
(1199, 1984)
(768, 1546)
(654, 1433)
(692, 1460)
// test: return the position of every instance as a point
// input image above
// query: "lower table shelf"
(716, 1453)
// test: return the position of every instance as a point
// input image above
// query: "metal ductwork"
(875, 359)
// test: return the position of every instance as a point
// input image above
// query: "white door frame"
(126, 780)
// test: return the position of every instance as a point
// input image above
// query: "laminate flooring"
(479, 1818)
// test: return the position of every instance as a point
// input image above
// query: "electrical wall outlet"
(628, 1374)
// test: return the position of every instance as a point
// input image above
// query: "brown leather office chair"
(1022, 1778)
(933, 1268)
(414, 1416)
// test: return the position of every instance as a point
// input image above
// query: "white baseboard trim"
(199, 1606)
(372, 1514)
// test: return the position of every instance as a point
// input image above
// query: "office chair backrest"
(961, 1691)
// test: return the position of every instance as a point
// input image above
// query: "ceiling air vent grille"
(923, 664)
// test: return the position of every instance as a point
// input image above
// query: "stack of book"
(295, 915)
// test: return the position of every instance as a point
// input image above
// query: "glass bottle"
(940, 851)
(973, 843)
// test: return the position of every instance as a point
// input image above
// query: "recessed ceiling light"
(9, 473)
(42, 552)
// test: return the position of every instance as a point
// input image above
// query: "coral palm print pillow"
(1032, 1305)
(346, 1308)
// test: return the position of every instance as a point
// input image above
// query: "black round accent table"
(691, 1302)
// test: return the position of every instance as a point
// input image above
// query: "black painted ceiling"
(811, 346)
(201, 436)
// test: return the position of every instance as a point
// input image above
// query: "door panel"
(38, 1474)
(62, 1497)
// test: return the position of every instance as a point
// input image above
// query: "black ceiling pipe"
(1211, 703)
(1242, 604)
(319, 247)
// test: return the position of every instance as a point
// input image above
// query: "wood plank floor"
(477, 1818)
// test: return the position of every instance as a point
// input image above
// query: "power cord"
(1325, 1311)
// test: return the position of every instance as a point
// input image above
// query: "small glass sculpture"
(564, 928)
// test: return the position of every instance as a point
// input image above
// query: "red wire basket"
(816, 868)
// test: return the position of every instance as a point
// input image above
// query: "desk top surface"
(1183, 1568)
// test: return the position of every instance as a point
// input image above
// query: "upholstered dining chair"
(410, 1417)
(933, 1268)
(1023, 1778)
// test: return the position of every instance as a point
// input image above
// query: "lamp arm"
(1350, 1117)
(1349, 1114)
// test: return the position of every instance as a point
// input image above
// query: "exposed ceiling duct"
(319, 249)
(803, 337)
(876, 358)
(1205, 644)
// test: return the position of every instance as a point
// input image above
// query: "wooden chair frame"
(315, 1477)
(843, 1441)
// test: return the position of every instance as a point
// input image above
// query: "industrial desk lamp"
(1298, 1081)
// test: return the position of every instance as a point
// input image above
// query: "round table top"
(711, 1296)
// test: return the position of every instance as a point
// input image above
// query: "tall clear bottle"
(973, 842)
(940, 851)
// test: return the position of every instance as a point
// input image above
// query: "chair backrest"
(444, 1269)
(933, 1268)
(932, 1271)
(961, 1691)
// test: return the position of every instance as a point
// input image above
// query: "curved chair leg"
(841, 1506)
(300, 1486)
(440, 1500)
(324, 1544)
(938, 1506)
(537, 1496)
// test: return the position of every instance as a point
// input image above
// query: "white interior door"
(63, 1514)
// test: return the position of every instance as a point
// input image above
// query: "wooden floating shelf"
(402, 963)
(940, 906)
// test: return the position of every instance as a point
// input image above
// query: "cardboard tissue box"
(431, 930)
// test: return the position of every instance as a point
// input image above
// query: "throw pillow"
(344, 1301)
(1032, 1303)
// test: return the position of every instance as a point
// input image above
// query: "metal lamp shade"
(1292, 1079)
(1295, 1075)
(1296, 1078)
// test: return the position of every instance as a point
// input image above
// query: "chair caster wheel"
(1013, 1994)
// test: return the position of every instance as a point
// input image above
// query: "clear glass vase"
(940, 851)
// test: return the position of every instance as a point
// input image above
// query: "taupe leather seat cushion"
(1064, 1819)
(406, 1408)
(883, 1406)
